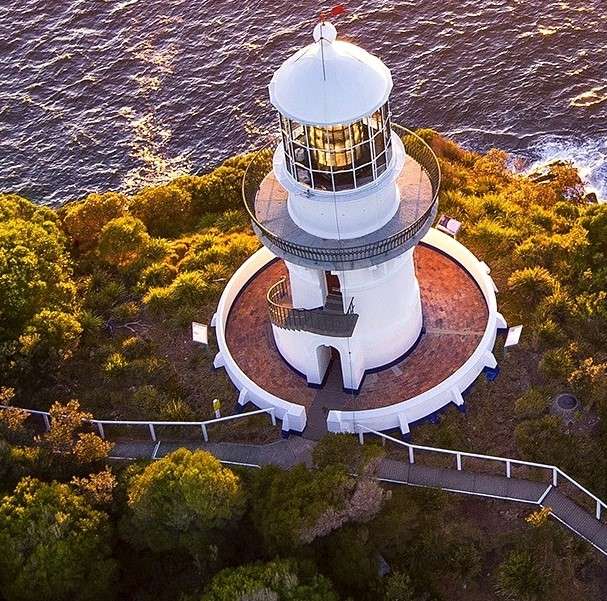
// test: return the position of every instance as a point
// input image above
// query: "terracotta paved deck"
(455, 316)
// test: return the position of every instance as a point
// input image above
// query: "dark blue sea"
(110, 94)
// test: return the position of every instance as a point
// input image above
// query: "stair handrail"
(555, 470)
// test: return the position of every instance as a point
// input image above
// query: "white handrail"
(151, 423)
(600, 504)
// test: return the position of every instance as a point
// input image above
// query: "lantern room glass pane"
(344, 180)
(323, 180)
(364, 175)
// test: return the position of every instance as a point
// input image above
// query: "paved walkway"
(295, 450)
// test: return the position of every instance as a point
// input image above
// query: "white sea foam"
(588, 156)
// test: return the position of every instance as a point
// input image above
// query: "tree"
(294, 507)
(84, 220)
(274, 581)
(521, 578)
(589, 381)
(181, 501)
(50, 336)
(123, 241)
(66, 444)
(399, 587)
(344, 449)
(35, 274)
(543, 440)
(54, 545)
(97, 489)
(165, 210)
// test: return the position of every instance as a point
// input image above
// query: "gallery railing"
(318, 321)
(415, 147)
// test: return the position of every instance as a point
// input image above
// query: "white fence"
(507, 463)
(151, 425)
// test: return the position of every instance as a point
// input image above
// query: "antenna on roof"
(338, 9)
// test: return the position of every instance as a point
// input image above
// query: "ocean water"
(116, 94)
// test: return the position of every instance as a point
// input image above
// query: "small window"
(364, 175)
(344, 180)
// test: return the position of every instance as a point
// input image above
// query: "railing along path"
(547, 494)
(507, 462)
(151, 424)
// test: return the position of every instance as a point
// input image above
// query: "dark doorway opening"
(333, 286)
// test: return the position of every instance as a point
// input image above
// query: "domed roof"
(351, 84)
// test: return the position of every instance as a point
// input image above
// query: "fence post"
(152, 432)
(47, 423)
(598, 510)
(508, 469)
(411, 456)
(383, 441)
(205, 434)
(361, 437)
(100, 428)
(273, 416)
(554, 477)
(459, 461)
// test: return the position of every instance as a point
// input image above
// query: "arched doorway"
(327, 360)
(330, 393)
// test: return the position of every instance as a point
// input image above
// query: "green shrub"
(156, 275)
(275, 581)
(165, 210)
(188, 289)
(179, 501)
(522, 577)
(533, 404)
(55, 545)
(123, 241)
(84, 220)
(115, 365)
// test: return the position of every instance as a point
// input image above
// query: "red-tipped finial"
(338, 9)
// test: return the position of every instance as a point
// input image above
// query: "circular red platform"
(455, 318)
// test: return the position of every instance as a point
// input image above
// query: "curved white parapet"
(293, 416)
(450, 390)
(398, 415)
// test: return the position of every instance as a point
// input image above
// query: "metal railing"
(415, 147)
(507, 463)
(100, 424)
(318, 321)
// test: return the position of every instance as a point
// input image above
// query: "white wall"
(293, 416)
(299, 349)
(387, 301)
(308, 286)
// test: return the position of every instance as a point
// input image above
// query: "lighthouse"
(343, 202)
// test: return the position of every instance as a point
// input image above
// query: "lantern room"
(338, 157)
(332, 98)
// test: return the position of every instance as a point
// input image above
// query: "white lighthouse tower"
(341, 213)
(339, 162)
